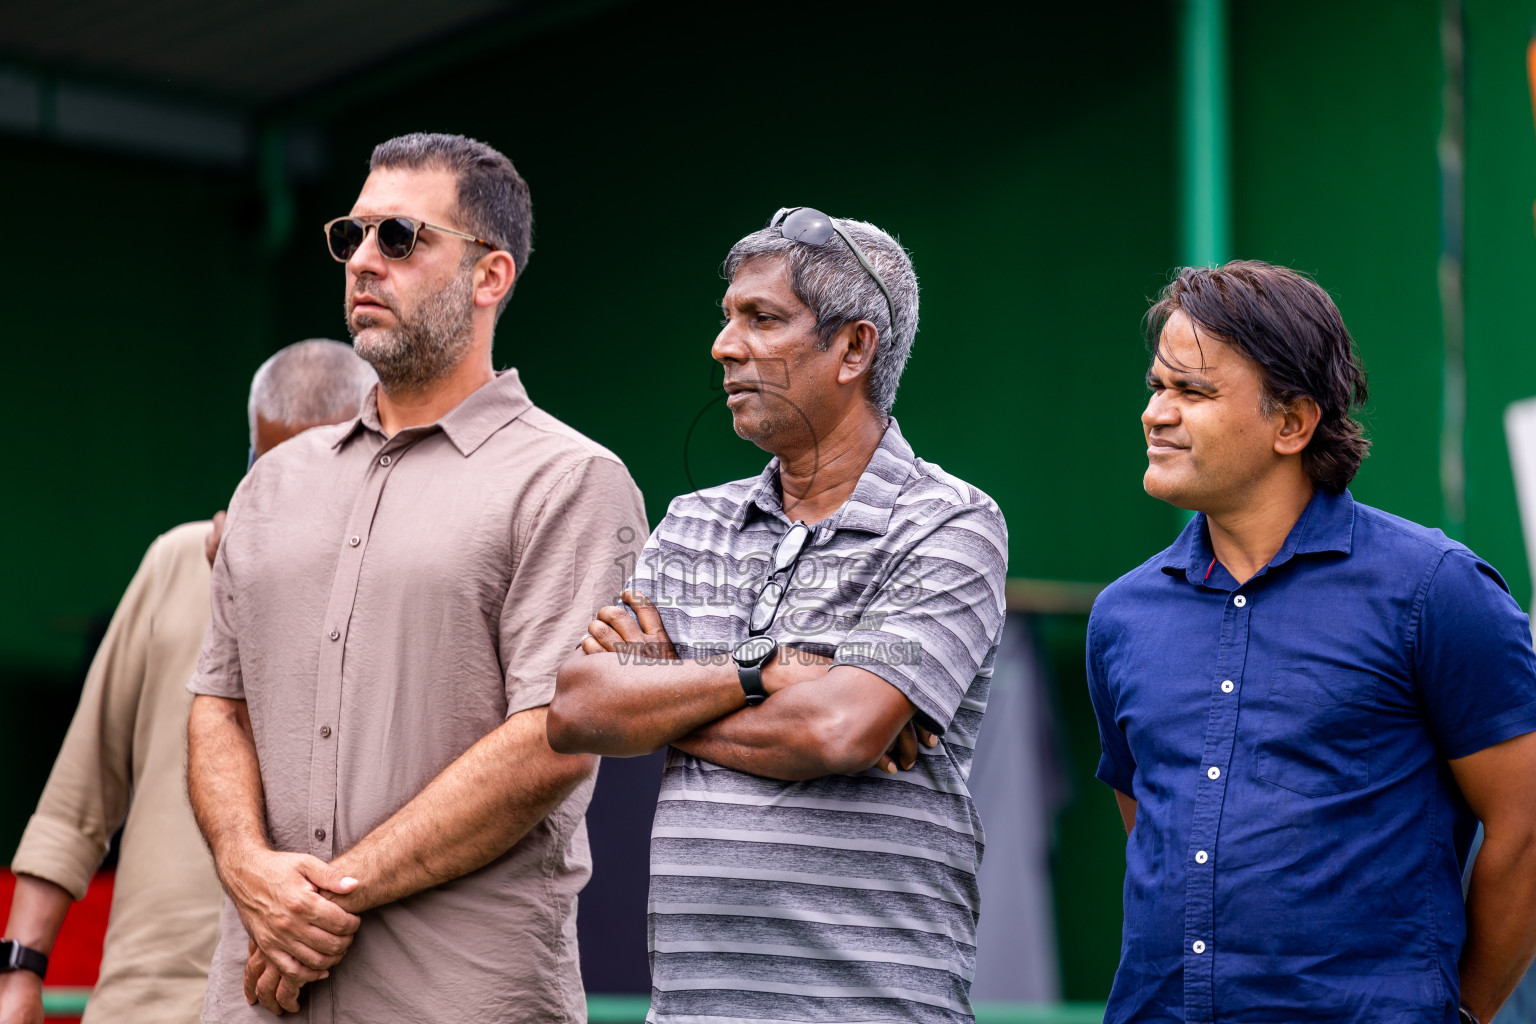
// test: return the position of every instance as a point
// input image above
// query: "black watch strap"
(16, 957)
(752, 684)
(1467, 1015)
(750, 656)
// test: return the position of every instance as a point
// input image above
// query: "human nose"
(1160, 411)
(367, 259)
(730, 345)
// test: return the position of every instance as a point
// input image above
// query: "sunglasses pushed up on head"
(396, 236)
(803, 224)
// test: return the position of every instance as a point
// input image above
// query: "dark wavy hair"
(1290, 329)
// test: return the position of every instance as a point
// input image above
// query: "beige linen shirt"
(381, 604)
(129, 736)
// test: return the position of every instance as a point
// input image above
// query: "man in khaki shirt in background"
(390, 603)
(124, 754)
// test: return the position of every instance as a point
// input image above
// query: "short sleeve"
(937, 616)
(577, 552)
(647, 581)
(1473, 662)
(642, 576)
(218, 665)
(1117, 768)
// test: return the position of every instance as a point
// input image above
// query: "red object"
(1530, 67)
(76, 957)
(1530, 75)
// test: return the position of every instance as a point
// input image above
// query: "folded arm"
(844, 721)
(619, 705)
(626, 693)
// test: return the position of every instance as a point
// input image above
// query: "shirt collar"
(1326, 525)
(468, 425)
(868, 508)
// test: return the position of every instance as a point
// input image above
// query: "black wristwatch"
(1466, 1015)
(750, 656)
(16, 957)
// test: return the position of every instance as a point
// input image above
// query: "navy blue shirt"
(1299, 838)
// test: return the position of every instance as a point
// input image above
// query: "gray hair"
(493, 200)
(314, 381)
(830, 281)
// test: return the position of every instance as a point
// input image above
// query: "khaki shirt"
(381, 604)
(129, 735)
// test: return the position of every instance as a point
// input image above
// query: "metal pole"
(1205, 180)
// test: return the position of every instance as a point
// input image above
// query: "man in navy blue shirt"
(1305, 704)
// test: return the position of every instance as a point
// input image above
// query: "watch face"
(753, 650)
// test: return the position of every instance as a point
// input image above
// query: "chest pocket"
(1315, 736)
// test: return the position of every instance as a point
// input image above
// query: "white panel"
(1520, 429)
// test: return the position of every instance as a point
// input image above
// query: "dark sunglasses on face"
(397, 236)
(803, 224)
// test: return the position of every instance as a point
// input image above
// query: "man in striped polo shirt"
(789, 637)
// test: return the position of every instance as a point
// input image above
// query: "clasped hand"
(297, 932)
(638, 630)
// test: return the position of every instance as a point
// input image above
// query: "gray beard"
(426, 348)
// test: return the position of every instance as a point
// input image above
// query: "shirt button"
(325, 734)
(385, 460)
(355, 541)
(1226, 686)
(1213, 772)
(1198, 947)
(335, 633)
(320, 835)
(1239, 600)
(1201, 857)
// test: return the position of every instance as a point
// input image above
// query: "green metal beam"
(59, 1001)
(1205, 189)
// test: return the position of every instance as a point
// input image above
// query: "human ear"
(1298, 422)
(494, 275)
(860, 341)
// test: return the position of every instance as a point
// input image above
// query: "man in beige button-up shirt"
(392, 598)
(124, 755)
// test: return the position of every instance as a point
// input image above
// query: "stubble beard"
(424, 348)
(759, 429)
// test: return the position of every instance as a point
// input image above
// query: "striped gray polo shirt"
(847, 898)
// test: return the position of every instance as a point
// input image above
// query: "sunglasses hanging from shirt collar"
(785, 556)
(396, 236)
(803, 224)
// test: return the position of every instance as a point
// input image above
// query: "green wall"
(1336, 118)
(1024, 155)
(1336, 109)
(1501, 273)
(135, 314)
